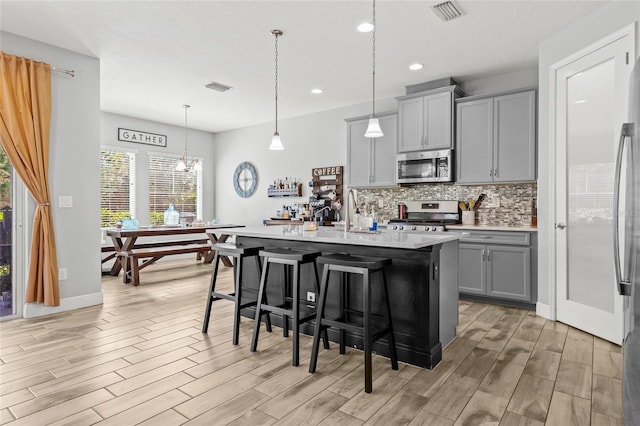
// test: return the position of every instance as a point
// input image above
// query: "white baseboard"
(32, 310)
(543, 310)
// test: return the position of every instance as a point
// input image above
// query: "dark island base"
(413, 283)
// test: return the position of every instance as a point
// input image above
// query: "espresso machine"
(324, 209)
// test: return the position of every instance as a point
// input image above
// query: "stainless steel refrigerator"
(627, 247)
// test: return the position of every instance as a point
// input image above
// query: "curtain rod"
(72, 73)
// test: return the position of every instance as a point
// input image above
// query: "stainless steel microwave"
(425, 166)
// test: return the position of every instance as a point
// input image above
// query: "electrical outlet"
(381, 203)
(62, 274)
(493, 201)
(311, 296)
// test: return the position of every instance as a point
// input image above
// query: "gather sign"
(136, 136)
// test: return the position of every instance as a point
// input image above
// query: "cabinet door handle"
(490, 172)
(495, 172)
(488, 255)
(483, 255)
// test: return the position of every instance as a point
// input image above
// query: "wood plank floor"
(141, 359)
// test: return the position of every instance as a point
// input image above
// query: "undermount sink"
(363, 231)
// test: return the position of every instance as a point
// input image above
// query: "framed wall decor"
(136, 136)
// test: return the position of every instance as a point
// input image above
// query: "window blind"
(117, 186)
(166, 185)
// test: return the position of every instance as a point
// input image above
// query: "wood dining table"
(124, 240)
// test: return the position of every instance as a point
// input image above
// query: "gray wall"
(200, 145)
(74, 170)
(606, 20)
(315, 140)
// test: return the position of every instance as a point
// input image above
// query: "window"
(166, 185)
(117, 186)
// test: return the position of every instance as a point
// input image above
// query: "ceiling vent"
(217, 86)
(448, 10)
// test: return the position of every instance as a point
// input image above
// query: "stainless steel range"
(426, 216)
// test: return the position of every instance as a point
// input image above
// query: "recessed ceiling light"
(580, 101)
(317, 91)
(416, 67)
(365, 27)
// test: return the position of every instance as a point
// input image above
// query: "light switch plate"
(380, 203)
(65, 201)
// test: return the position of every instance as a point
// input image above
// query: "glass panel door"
(591, 100)
(7, 293)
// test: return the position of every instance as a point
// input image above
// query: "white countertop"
(493, 228)
(403, 240)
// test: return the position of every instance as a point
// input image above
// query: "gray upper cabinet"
(425, 121)
(496, 138)
(474, 147)
(371, 162)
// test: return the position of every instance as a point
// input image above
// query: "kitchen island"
(422, 280)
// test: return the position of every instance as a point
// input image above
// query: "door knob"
(560, 226)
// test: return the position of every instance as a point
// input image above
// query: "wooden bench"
(154, 252)
(112, 250)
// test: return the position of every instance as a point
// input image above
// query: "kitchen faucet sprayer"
(352, 195)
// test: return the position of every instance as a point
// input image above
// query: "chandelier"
(184, 165)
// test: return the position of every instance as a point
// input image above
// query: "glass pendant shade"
(197, 166)
(373, 130)
(276, 143)
(181, 166)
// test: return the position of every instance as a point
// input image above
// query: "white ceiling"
(156, 56)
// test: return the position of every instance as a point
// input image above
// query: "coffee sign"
(327, 171)
(136, 136)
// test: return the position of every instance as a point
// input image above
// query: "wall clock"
(245, 179)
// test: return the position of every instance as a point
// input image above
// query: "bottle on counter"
(357, 221)
(373, 221)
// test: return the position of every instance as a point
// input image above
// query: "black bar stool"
(239, 252)
(366, 267)
(291, 304)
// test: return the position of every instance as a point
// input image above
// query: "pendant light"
(276, 142)
(183, 163)
(374, 130)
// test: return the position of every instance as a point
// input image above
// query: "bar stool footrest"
(223, 296)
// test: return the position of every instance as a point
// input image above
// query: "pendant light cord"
(186, 139)
(373, 113)
(276, 33)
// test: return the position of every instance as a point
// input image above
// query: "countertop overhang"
(391, 239)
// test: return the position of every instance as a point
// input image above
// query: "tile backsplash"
(508, 204)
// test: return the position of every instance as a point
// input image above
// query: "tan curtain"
(25, 112)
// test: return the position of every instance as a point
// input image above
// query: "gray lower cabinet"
(496, 138)
(371, 162)
(497, 264)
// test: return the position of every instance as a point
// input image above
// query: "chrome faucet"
(347, 217)
(319, 212)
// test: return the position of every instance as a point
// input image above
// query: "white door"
(591, 104)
